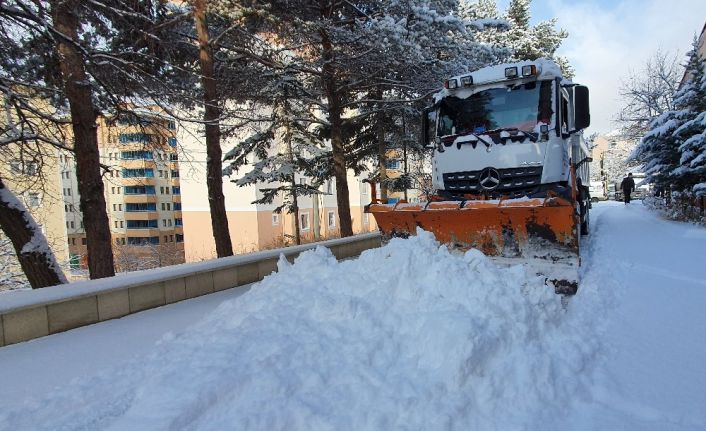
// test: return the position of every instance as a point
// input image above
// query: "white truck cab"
(511, 130)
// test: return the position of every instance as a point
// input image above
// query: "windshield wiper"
(473, 143)
(534, 137)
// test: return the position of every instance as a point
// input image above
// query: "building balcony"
(141, 215)
(143, 232)
(139, 181)
(139, 199)
(137, 163)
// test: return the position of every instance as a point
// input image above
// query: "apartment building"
(142, 189)
(256, 226)
(33, 176)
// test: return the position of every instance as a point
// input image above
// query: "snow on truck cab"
(509, 166)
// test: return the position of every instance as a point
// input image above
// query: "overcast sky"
(608, 38)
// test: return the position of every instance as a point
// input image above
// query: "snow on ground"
(651, 375)
(408, 336)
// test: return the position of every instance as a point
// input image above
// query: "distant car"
(597, 191)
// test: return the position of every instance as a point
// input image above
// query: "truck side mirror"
(582, 113)
(428, 117)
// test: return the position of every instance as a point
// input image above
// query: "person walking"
(628, 186)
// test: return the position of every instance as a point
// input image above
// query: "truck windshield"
(520, 107)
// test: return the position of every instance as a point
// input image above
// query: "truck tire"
(585, 224)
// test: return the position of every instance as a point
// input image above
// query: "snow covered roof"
(546, 69)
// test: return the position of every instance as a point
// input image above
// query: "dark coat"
(628, 185)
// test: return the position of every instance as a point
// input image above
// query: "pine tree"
(284, 151)
(351, 48)
(691, 98)
(519, 37)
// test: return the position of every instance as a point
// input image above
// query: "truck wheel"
(585, 224)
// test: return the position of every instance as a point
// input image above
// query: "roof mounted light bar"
(451, 83)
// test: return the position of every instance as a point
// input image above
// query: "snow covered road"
(652, 374)
(405, 337)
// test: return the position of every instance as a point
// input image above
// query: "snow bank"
(408, 336)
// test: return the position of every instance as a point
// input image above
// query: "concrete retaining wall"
(25, 315)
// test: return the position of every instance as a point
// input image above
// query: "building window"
(393, 164)
(142, 224)
(173, 157)
(172, 142)
(176, 190)
(163, 206)
(161, 173)
(73, 241)
(178, 222)
(331, 219)
(116, 224)
(177, 206)
(121, 188)
(302, 181)
(304, 221)
(16, 166)
(175, 174)
(169, 206)
(142, 240)
(112, 190)
(83, 241)
(179, 238)
(275, 219)
(73, 226)
(171, 125)
(169, 222)
(115, 207)
(125, 138)
(140, 207)
(138, 190)
(329, 186)
(22, 167)
(165, 238)
(166, 189)
(33, 200)
(138, 173)
(81, 225)
(171, 238)
(164, 222)
(122, 224)
(122, 241)
(137, 155)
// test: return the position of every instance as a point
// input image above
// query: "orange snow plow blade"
(541, 233)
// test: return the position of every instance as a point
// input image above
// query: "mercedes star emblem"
(489, 178)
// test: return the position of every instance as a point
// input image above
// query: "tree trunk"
(212, 113)
(337, 147)
(404, 155)
(295, 201)
(36, 258)
(382, 147)
(83, 119)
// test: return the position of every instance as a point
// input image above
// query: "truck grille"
(514, 182)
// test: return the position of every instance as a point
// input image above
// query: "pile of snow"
(408, 336)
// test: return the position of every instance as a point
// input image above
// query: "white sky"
(608, 39)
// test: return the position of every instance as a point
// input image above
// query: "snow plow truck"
(509, 170)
